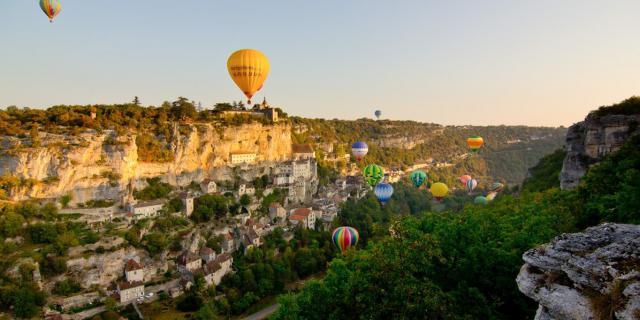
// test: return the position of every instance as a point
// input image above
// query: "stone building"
(133, 271)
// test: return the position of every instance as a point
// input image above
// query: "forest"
(507, 154)
(462, 263)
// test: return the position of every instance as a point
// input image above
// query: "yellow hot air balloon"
(249, 69)
(439, 190)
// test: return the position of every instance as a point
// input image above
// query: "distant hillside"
(507, 154)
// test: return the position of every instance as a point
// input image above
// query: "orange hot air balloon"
(249, 69)
(475, 143)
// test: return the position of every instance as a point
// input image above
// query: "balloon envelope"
(249, 69)
(359, 150)
(345, 237)
(378, 113)
(480, 200)
(491, 195)
(439, 190)
(418, 178)
(51, 8)
(475, 143)
(464, 179)
(471, 184)
(497, 187)
(383, 192)
(373, 174)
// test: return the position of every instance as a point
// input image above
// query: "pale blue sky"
(450, 62)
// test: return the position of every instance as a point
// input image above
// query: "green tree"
(245, 200)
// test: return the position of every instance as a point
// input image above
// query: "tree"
(65, 200)
(155, 243)
(11, 224)
(136, 101)
(245, 200)
(182, 109)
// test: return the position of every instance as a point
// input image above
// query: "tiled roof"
(301, 148)
(223, 257)
(275, 205)
(128, 285)
(302, 212)
(206, 251)
(149, 203)
(132, 265)
(187, 257)
(211, 267)
(297, 217)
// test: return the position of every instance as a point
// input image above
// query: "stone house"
(147, 209)
(303, 217)
(187, 203)
(133, 271)
(302, 151)
(188, 262)
(207, 254)
(277, 211)
(129, 291)
(208, 186)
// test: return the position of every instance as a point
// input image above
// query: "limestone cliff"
(594, 274)
(96, 166)
(588, 141)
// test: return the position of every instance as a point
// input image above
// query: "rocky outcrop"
(594, 274)
(95, 166)
(589, 141)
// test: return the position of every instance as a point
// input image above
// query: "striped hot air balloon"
(383, 192)
(464, 179)
(475, 143)
(373, 174)
(471, 184)
(345, 237)
(418, 178)
(359, 150)
(51, 8)
(496, 187)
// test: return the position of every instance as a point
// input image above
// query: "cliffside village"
(130, 275)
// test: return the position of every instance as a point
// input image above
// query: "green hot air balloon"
(480, 200)
(418, 178)
(373, 174)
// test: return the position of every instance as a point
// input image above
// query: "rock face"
(92, 166)
(588, 141)
(594, 274)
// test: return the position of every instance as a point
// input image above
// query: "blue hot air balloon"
(359, 150)
(378, 113)
(383, 192)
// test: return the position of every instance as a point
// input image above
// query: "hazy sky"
(450, 62)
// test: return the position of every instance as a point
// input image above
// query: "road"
(264, 313)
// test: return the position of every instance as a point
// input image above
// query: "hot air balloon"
(249, 69)
(475, 143)
(345, 237)
(383, 192)
(439, 190)
(359, 150)
(418, 178)
(378, 113)
(496, 187)
(464, 179)
(51, 8)
(491, 195)
(471, 184)
(373, 174)
(480, 200)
